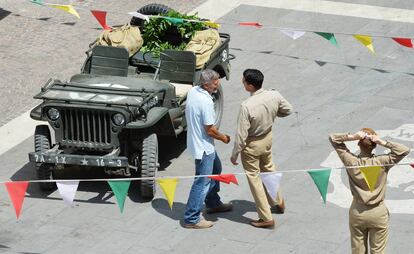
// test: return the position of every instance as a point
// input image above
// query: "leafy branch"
(160, 34)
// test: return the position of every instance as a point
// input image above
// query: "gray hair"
(208, 76)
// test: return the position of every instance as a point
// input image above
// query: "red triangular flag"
(412, 165)
(256, 24)
(101, 17)
(406, 42)
(16, 191)
(225, 178)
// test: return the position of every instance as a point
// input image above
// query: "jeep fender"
(158, 120)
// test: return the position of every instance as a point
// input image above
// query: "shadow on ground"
(4, 13)
(240, 208)
(171, 148)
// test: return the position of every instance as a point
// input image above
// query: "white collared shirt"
(199, 112)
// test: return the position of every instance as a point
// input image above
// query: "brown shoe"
(200, 225)
(220, 209)
(263, 224)
(280, 208)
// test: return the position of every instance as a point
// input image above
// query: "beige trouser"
(256, 157)
(368, 223)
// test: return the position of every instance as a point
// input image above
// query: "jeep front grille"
(83, 126)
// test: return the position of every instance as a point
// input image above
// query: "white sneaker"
(200, 225)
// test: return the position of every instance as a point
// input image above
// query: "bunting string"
(298, 32)
(195, 176)
(321, 62)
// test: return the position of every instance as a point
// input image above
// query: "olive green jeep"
(111, 114)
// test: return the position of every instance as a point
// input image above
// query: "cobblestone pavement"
(38, 43)
(329, 97)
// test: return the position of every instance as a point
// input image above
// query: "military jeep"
(111, 114)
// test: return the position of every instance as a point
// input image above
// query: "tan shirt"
(359, 187)
(256, 116)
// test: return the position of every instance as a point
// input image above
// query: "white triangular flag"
(293, 34)
(67, 189)
(139, 15)
(272, 183)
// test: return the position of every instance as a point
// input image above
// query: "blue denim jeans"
(204, 189)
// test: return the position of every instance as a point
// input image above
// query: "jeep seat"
(179, 67)
(181, 90)
(110, 61)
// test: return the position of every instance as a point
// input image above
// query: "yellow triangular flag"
(211, 24)
(168, 187)
(67, 8)
(371, 175)
(366, 41)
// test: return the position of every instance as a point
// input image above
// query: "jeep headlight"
(53, 114)
(118, 119)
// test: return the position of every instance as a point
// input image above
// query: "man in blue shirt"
(201, 132)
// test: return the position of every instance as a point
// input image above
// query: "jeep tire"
(218, 99)
(149, 9)
(43, 170)
(149, 165)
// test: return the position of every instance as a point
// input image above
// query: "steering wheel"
(172, 65)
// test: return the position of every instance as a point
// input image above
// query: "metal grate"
(80, 126)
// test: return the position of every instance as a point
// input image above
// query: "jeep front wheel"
(149, 165)
(43, 170)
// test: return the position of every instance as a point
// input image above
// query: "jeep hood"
(103, 89)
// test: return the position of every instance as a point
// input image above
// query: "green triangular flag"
(329, 36)
(175, 21)
(120, 189)
(321, 179)
(39, 2)
(371, 175)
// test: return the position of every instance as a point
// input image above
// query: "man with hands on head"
(201, 132)
(368, 214)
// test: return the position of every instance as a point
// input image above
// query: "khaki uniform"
(254, 142)
(368, 215)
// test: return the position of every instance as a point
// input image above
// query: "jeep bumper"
(82, 160)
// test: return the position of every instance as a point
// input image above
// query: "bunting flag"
(329, 36)
(272, 183)
(168, 186)
(139, 15)
(255, 24)
(67, 190)
(406, 42)
(381, 70)
(266, 52)
(39, 2)
(292, 34)
(101, 17)
(120, 189)
(366, 41)
(371, 175)
(66, 8)
(225, 178)
(175, 21)
(211, 24)
(17, 191)
(321, 178)
(320, 63)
